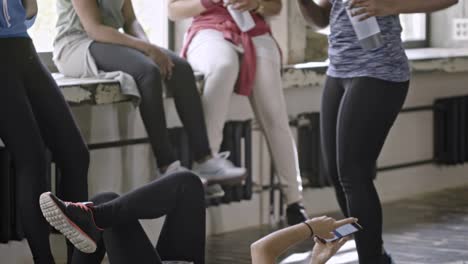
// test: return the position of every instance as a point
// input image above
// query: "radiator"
(451, 130)
(309, 151)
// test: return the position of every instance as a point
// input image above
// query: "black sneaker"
(296, 213)
(74, 220)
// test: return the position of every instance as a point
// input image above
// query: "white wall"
(442, 23)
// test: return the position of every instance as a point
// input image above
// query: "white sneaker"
(214, 191)
(173, 168)
(219, 170)
(177, 167)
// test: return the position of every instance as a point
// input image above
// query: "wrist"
(311, 223)
(309, 227)
(317, 261)
(207, 3)
(259, 7)
(144, 47)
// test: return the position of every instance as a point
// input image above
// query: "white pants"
(218, 59)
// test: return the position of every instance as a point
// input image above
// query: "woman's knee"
(149, 77)
(355, 175)
(104, 197)
(182, 68)
(190, 182)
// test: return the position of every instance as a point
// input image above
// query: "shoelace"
(224, 155)
(224, 158)
(80, 205)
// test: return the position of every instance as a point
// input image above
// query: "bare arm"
(423, 6)
(265, 7)
(88, 12)
(131, 25)
(31, 8)
(90, 18)
(272, 7)
(181, 9)
(316, 15)
(394, 7)
(267, 249)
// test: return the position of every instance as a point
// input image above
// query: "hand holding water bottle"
(367, 29)
(240, 12)
(372, 8)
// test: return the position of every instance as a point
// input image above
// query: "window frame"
(417, 44)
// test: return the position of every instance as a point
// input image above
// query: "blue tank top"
(13, 21)
(348, 59)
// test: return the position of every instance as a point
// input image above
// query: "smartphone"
(344, 231)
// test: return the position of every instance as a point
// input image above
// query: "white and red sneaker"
(74, 220)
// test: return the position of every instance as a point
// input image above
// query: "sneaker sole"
(228, 182)
(223, 180)
(54, 215)
(214, 195)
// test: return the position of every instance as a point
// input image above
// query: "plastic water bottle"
(367, 31)
(244, 20)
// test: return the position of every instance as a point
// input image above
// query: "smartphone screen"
(344, 231)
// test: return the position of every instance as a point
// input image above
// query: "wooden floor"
(430, 229)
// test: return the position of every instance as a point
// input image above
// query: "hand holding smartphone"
(342, 231)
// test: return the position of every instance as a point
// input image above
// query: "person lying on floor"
(269, 248)
(109, 223)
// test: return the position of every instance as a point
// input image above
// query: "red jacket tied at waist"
(218, 18)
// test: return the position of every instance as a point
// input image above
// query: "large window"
(152, 15)
(414, 29)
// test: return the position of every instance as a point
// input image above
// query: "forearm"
(267, 249)
(31, 8)
(314, 14)
(105, 34)
(136, 30)
(271, 7)
(421, 6)
(314, 261)
(181, 9)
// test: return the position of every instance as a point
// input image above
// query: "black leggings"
(357, 115)
(34, 116)
(110, 57)
(179, 196)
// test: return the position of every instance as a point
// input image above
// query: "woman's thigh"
(368, 111)
(267, 96)
(214, 56)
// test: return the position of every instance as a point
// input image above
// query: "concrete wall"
(442, 26)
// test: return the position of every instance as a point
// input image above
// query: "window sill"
(423, 60)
